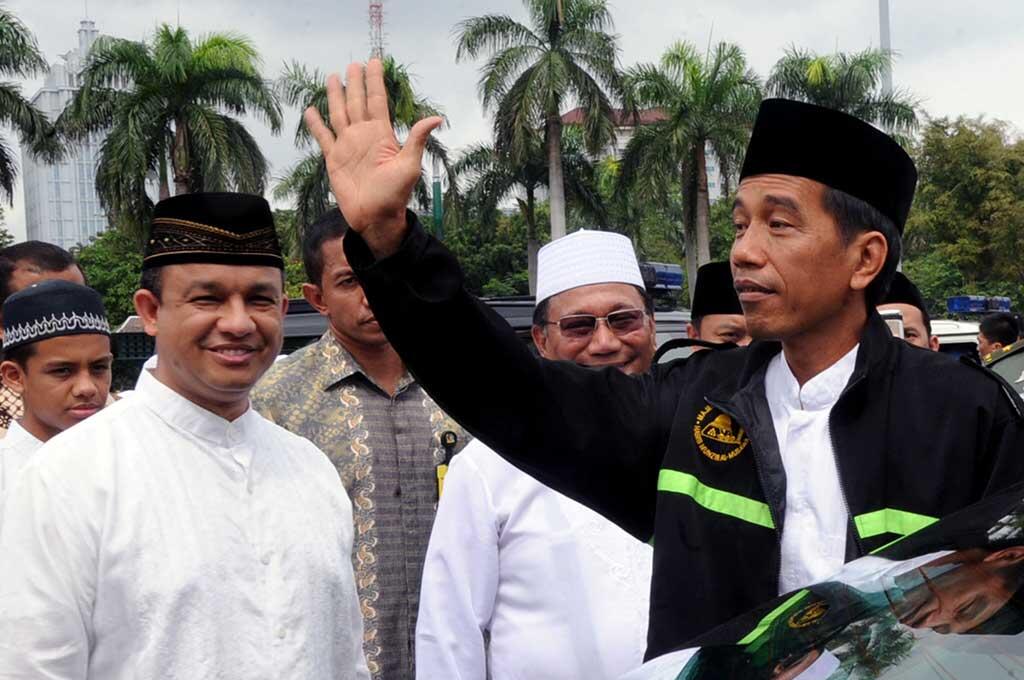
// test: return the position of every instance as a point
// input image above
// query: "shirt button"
(281, 632)
(265, 559)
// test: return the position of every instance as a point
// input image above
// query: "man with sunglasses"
(519, 580)
(755, 470)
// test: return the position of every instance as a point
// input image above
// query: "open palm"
(372, 177)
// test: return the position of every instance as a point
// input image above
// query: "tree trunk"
(556, 182)
(179, 157)
(532, 244)
(703, 213)
(687, 188)
(165, 189)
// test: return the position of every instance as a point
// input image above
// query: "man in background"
(996, 331)
(351, 395)
(521, 581)
(57, 359)
(905, 298)
(21, 265)
(716, 315)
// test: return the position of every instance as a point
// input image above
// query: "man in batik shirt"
(350, 394)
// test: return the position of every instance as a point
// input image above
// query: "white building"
(61, 205)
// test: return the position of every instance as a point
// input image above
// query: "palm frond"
(491, 33)
(20, 55)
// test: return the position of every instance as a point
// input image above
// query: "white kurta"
(15, 450)
(816, 519)
(561, 592)
(158, 540)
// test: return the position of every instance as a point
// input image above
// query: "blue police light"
(967, 304)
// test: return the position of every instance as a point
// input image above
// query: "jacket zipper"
(851, 526)
(764, 487)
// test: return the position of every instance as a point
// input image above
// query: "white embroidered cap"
(584, 258)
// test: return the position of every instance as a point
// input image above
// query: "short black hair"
(854, 216)
(1000, 327)
(540, 312)
(327, 227)
(46, 256)
(20, 354)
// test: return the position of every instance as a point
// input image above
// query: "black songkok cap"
(902, 291)
(213, 228)
(49, 309)
(714, 292)
(836, 149)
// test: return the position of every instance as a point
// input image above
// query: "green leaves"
(170, 103)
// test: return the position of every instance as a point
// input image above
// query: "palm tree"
(706, 102)
(306, 183)
(846, 82)
(20, 58)
(563, 54)
(172, 104)
(493, 178)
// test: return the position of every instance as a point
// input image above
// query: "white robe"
(561, 592)
(158, 540)
(15, 450)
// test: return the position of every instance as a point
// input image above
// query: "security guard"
(755, 470)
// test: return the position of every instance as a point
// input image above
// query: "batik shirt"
(386, 449)
(11, 407)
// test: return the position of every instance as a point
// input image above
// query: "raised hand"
(372, 177)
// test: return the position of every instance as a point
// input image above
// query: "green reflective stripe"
(716, 500)
(766, 622)
(889, 521)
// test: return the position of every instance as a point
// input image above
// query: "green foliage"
(294, 277)
(709, 101)
(533, 68)
(966, 231)
(179, 111)
(845, 82)
(493, 257)
(20, 58)
(112, 263)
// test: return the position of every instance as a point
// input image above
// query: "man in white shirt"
(178, 534)
(519, 580)
(57, 360)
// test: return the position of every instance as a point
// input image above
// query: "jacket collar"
(334, 364)
(183, 415)
(875, 352)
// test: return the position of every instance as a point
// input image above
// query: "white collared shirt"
(523, 582)
(158, 540)
(816, 519)
(15, 450)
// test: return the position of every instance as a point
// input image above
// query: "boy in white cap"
(519, 580)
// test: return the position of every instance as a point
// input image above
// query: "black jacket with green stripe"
(687, 456)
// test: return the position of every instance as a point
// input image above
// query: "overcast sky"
(958, 57)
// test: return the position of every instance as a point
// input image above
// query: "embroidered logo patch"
(717, 436)
(809, 615)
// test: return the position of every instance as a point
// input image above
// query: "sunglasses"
(582, 326)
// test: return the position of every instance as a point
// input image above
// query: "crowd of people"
(418, 494)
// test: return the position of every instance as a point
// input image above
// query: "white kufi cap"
(584, 258)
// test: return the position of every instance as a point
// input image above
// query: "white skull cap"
(584, 258)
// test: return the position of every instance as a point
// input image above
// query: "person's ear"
(315, 297)
(692, 332)
(540, 340)
(870, 250)
(1011, 555)
(147, 306)
(934, 343)
(13, 376)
